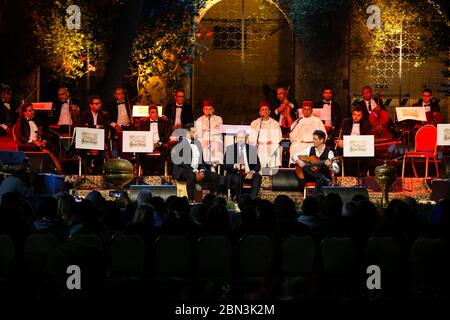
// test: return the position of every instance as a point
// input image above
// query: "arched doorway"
(250, 44)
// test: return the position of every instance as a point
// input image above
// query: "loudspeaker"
(48, 183)
(346, 193)
(440, 189)
(286, 180)
(39, 160)
(12, 157)
(163, 191)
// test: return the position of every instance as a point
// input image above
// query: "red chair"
(425, 147)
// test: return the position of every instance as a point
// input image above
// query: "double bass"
(379, 122)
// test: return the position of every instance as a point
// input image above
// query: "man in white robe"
(265, 133)
(209, 132)
(301, 135)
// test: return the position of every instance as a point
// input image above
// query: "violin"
(287, 119)
(379, 121)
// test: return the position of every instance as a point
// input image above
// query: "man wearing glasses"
(95, 117)
(179, 112)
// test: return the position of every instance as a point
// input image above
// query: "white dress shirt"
(178, 109)
(373, 105)
(306, 151)
(122, 116)
(325, 114)
(33, 131)
(95, 115)
(64, 116)
(154, 130)
(356, 131)
(242, 150)
(195, 157)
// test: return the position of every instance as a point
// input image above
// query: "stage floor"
(418, 188)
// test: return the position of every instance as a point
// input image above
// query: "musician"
(119, 111)
(242, 164)
(179, 112)
(302, 129)
(209, 132)
(282, 104)
(8, 111)
(65, 112)
(160, 128)
(322, 177)
(368, 103)
(189, 165)
(356, 125)
(266, 134)
(29, 135)
(431, 105)
(330, 113)
(95, 117)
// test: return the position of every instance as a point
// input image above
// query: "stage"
(418, 188)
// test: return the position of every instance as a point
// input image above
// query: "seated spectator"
(160, 210)
(309, 215)
(218, 220)
(46, 215)
(287, 216)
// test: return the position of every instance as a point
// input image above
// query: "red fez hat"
(307, 103)
(264, 104)
(208, 103)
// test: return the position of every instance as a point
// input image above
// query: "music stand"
(358, 146)
(137, 142)
(88, 139)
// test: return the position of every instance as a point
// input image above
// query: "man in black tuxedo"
(95, 117)
(331, 112)
(189, 165)
(242, 164)
(29, 135)
(368, 103)
(160, 128)
(277, 109)
(65, 112)
(119, 111)
(356, 125)
(8, 111)
(179, 112)
(431, 105)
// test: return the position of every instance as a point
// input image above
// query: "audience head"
(285, 209)
(218, 219)
(144, 197)
(144, 215)
(47, 208)
(333, 206)
(309, 207)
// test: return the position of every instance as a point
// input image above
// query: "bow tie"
(326, 102)
(426, 105)
(153, 121)
(192, 142)
(355, 122)
(120, 102)
(29, 120)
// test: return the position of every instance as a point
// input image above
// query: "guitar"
(314, 162)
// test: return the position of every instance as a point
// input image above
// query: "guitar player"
(319, 172)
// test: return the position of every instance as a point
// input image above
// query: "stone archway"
(251, 44)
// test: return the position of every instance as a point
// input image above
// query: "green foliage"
(167, 42)
(66, 52)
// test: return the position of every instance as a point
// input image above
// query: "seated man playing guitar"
(317, 162)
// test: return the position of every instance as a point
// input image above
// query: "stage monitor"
(163, 191)
(346, 193)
